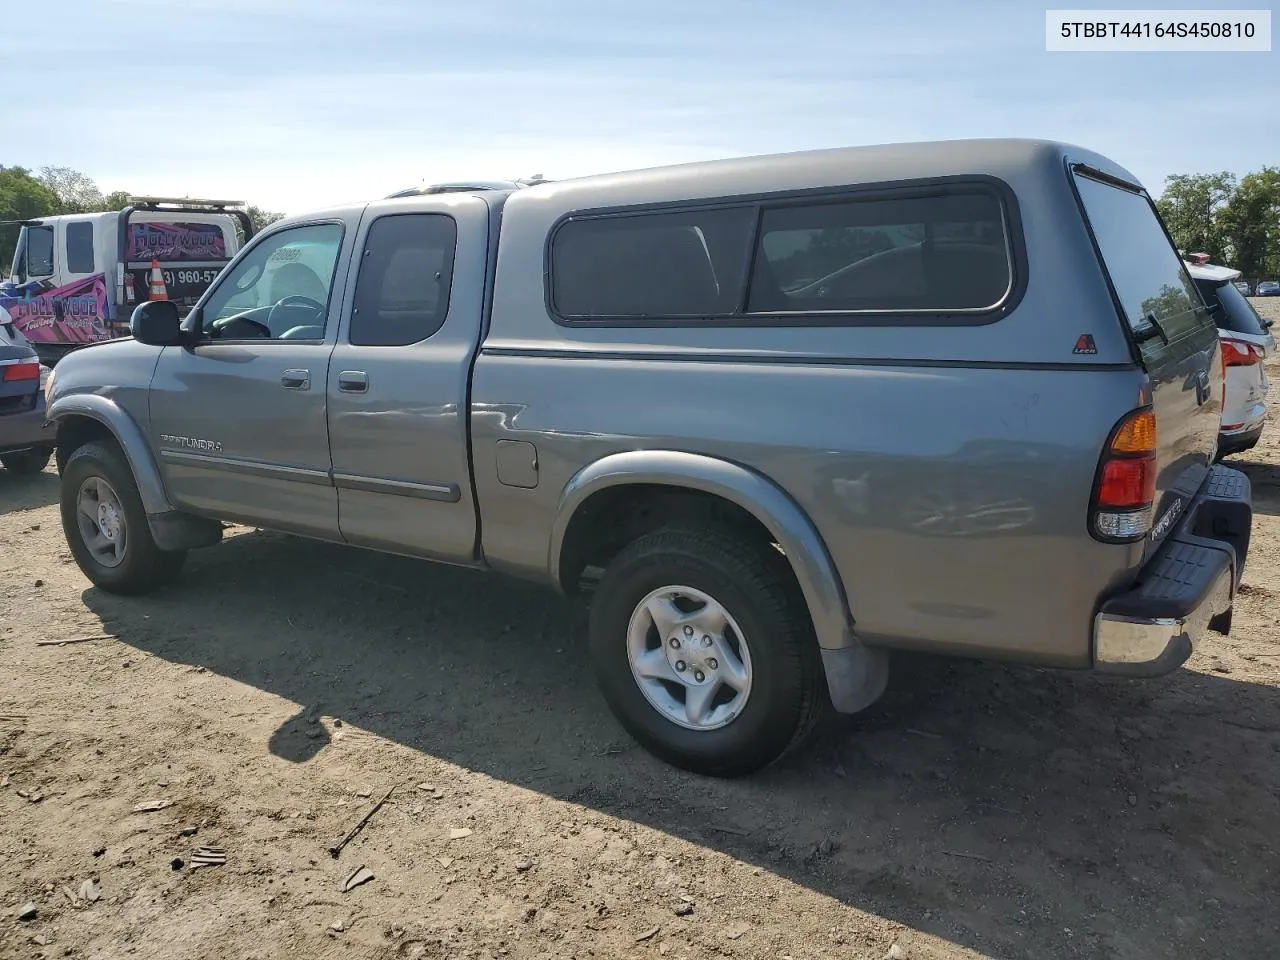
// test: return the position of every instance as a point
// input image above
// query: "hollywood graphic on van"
(73, 313)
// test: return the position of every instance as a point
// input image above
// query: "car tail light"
(20, 371)
(1126, 486)
(1222, 355)
(1237, 353)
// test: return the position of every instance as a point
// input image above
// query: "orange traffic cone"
(158, 290)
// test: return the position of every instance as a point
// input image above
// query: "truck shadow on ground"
(1013, 811)
(1264, 478)
(22, 492)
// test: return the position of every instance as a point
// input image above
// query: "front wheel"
(106, 525)
(703, 649)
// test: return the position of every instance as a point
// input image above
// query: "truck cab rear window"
(939, 254)
(80, 246)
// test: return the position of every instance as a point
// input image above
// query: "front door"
(239, 420)
(398, 380)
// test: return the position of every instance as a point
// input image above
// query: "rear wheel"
(27, 461)
(703, 649)
(106, 525)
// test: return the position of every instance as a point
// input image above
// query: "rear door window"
(1237, 314)
(402, 292)
(1157, 296)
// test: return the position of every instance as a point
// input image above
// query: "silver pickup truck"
(777, 416)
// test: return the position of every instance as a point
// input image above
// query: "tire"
(141, 566)
(754, 587)
(27, 462)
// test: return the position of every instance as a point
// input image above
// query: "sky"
(298, 104)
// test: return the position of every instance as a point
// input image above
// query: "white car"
(1246, 342)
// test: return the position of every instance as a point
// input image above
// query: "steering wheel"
(223, 324)
(287, 304)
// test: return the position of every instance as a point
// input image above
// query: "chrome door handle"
(296, 379)
(353, 381)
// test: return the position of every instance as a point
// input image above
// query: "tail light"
(20, 371)
(1237, 353)
(1222, 354)
(1126, 486)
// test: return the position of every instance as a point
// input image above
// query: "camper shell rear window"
(1155, 295)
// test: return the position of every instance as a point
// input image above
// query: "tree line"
(1236, 221)
(25, 195)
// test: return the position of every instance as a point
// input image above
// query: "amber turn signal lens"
(1137, 434)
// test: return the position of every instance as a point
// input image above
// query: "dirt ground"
(272, 697)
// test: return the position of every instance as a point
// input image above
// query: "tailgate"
(1174, 336)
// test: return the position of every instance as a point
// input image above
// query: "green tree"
(76, 192)
(116, 200)
(1251, 223)
(1192, 206)
(259, 218)
(22, 197)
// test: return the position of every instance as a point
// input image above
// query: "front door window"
(280, 290)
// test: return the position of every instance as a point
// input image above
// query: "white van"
(76, 278)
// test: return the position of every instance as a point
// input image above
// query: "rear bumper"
(18, 431)
(1185, 591)
(1238, 441)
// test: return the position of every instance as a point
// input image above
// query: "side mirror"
(156, 323)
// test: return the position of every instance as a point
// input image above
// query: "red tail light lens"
(20, 371)
(1237, 353)
(1126, 485)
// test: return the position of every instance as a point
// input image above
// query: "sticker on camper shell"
(72, 313)
(1085, 344)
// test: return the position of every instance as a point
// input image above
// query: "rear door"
(399, 375)
(1174, 334)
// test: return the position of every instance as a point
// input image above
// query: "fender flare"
(757, 494)
(128, 434)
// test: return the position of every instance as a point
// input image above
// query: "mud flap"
(856, 676)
